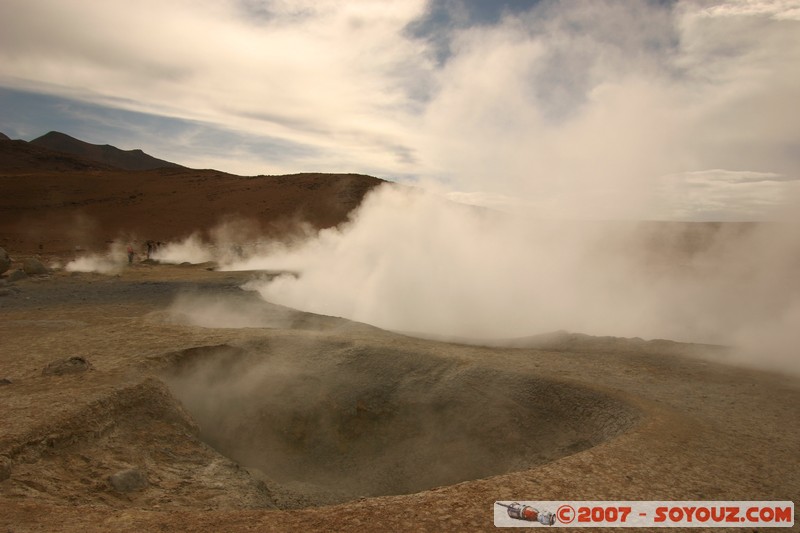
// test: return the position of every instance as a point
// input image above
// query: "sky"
(596, 109)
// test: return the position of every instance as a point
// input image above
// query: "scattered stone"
(5, 261)
(128, 480)
(34, 267)
(16, 276)
(5, 468)
(5, 381)
(72, 365)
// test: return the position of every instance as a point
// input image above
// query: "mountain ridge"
(105, 154)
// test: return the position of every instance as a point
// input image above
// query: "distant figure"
(151, 247)
(130, 254)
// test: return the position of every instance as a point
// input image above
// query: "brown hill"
(53, 202)
(20, 157)
(105, 154)
(4, 137)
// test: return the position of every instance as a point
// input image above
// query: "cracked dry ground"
(384, 413)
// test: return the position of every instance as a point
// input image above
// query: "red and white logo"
(595, 514)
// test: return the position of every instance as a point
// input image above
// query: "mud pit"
(295, 398)
(322, 422)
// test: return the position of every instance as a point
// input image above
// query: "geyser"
(329, 420)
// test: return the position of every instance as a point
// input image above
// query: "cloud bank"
(572, 108)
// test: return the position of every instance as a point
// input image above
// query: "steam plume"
(413, 262)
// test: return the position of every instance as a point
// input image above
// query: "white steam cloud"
(111, 262)
(412, 261)
(190, 250)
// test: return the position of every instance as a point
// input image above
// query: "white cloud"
(715, 91)
(333, 78)
(577, 108)
(778, 9)
(725, 195)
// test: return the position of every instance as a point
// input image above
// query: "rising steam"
(110, 262)
(190, 250)
(413, 262)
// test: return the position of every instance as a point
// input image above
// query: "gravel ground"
(622, 420)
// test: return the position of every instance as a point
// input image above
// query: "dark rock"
(128, 480)
(5, 381)
(16, 276)
(5, 468)
(34, 267)
(5, 261)
(72, 365)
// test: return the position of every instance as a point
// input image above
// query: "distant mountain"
(104, 154)
(20, 157)
(4, 137)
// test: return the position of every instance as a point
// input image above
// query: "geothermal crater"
(323, 421)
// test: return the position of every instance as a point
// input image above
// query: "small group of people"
(151, 248)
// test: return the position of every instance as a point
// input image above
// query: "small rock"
(5, 292)
(5, 261)
(72, 365)
(5, 381)
(34, 267)
(5, 468)
(128, 480)
(16, 276)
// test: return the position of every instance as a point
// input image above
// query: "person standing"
(130, 254)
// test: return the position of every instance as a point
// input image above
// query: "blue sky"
(677, 110)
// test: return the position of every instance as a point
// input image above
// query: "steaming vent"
(329, 421)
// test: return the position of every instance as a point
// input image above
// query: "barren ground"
(310, 423)
(290, 421)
